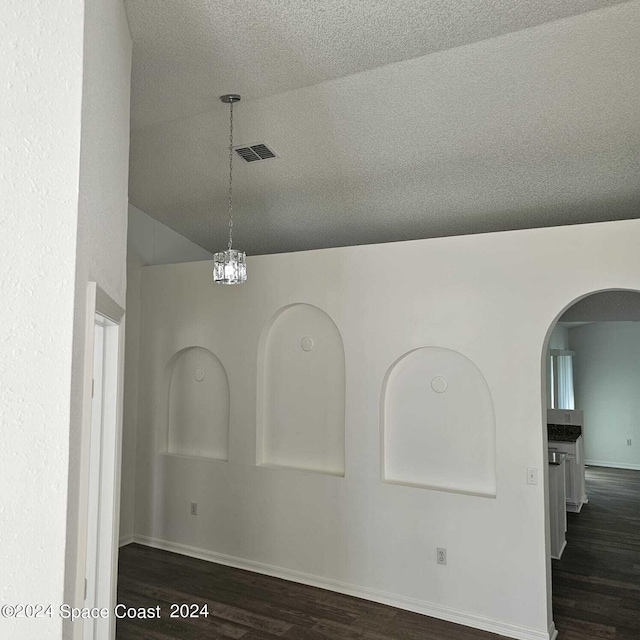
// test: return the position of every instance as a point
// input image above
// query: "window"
(561, 379)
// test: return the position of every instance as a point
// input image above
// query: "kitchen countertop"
(563, 432)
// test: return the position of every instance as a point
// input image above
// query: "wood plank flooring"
(596, 588)
(596, 584)
(255, 607)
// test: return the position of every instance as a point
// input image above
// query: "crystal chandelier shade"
(230, 266)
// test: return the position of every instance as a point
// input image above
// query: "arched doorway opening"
(591, 405)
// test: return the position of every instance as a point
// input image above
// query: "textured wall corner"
(102, 213)
(40, 129)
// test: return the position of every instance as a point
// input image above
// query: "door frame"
(99, 302)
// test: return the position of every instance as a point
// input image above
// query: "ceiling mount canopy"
(230, 266)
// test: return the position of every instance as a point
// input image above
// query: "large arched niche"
(301, 392)
(196, 405)
(438, 424)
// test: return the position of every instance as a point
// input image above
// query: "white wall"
(607, 379)
(102, 217)
(559, 338)
(130, 404)
(151, 242)
(148, 242)
(356, 533)
(40, 116)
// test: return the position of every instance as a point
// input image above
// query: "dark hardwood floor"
(596, 584)
(596, 588)
(255, 607)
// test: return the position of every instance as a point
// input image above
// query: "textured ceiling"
(606, 306)
(533, 128)
(189, 52)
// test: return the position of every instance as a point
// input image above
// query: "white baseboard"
(400, 602)
(574, 508)
(559, 556)
(125, 540)
(553, 632)
(613, 465)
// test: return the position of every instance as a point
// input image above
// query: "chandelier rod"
(230, 174)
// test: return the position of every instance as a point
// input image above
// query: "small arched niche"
(438, 425)
(197, 405)
(301, 392)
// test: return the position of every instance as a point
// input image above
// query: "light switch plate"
(532, 475)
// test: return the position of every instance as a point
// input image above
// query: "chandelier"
(230, 266)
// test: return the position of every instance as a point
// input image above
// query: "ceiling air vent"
(255, 152)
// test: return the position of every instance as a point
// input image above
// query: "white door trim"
(98, 302)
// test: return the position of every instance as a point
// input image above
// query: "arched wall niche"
(438, 424)
(196, 401)
(301, 392)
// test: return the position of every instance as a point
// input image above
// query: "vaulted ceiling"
(392, 120)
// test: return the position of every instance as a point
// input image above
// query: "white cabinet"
(574, 472)
(557, 508)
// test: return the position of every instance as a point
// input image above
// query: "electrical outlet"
(194, 508)
(628, 442)
(441, 555)
(532, 475)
